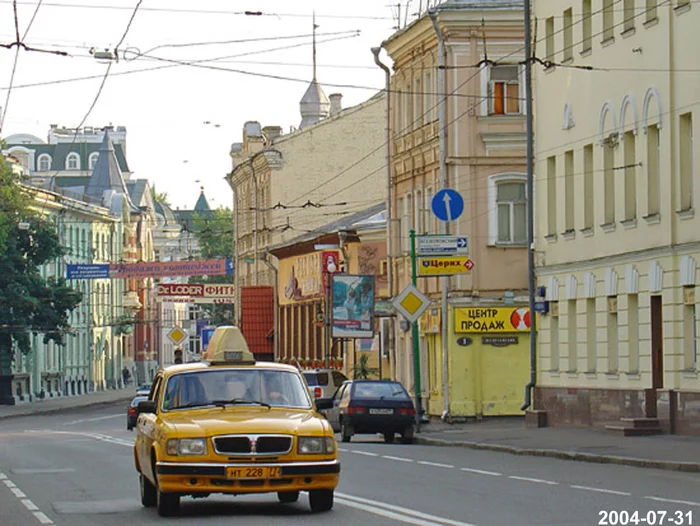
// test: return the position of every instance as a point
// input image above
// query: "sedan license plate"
(253, 472)
(381, 411)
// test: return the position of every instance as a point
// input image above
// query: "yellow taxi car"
(231, 425)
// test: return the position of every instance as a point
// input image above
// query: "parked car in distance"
(131, 413)
(372, 406)
(143, 390)
(323, 383)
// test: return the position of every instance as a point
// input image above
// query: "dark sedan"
(131, 413)
(372, 406)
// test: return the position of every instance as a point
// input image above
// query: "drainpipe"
(236, 266)
(389, 229)
(530, 212)
(444, 229)
(275, 319)
(255, 218)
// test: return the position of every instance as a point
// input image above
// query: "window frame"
(43, 157)
(492, 193)
(491, 92)
(72, 156)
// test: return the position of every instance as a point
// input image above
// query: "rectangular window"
(549, 39)
(573, 336)
(551, 195)
(398, 113)
(633, 332)
(630, 176)
(408, 216)
(504, 90)
(512, 209)
(686, 160)
(588, 191)
(609, 184)
(428, 97)
(613, 340)
(569, 191)
(591, 337)
(554, 343)
(417, 109)
(652, 169)
(651, 10)
(586, 26)
(430, 220)
(401, 228)
(608, 19)
(568, 51)
(419, 213)
(628, 12)
(690, 337)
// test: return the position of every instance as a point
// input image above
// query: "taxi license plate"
(381, 411)
(253, 472)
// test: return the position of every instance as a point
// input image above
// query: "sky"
(182, 119)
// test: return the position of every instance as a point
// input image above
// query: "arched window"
(44, 163)
(73, 161)
(92, 161)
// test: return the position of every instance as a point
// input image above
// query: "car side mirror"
(147, 406)
(323, 403)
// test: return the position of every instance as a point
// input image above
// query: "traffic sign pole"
(414, 337)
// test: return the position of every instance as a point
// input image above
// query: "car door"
(146, 431)
(333, 414)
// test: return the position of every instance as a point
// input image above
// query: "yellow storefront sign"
(444, 265)
(492, 319)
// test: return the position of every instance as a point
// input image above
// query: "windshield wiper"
(239, 401)
(194, 404)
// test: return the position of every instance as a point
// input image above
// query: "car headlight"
(315, 445)
(186, 446)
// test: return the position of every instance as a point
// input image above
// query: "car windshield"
(316, 378)
(237, 387)
(380, 390)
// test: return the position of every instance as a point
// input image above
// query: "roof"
(137, 189)
(481, 4)
(201, 205)
(167, 213)
(314, 105)
(202, 366)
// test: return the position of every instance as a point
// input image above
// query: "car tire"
(148, 492)
(288, 497)
(388, 437)
(321, 499)
(168, 504)
(407, 435)
(346, 432)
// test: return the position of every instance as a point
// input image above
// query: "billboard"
(492, 319)
(353, 306)
(151, 269)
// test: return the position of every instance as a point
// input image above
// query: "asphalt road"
(76, 469)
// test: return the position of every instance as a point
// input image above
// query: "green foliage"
(362, 370)
(161, 197)
(30, 303)
(124, 325)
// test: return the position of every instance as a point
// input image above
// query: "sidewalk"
(509, 435)
(67, 403)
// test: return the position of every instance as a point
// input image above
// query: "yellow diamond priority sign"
(177, 335)
(411, 303)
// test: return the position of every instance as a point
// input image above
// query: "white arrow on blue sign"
(447, 204)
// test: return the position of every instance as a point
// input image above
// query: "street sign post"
(441, 245)
(444, 266)
(447, 204)
(411, 302)
(177, 335)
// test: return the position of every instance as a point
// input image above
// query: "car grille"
(253, 444)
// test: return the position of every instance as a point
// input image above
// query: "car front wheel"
(321, 499)
(346, 432)
(168, 503)
(287, 497)
(148, 492)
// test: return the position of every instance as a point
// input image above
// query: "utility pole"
(530, 208)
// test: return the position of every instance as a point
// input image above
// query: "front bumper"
(194, 477)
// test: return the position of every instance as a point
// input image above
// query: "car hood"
(231, 420)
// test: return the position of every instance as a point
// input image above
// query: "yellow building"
(617, 238)
(484, 160)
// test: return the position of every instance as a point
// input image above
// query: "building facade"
(470, 51)
(617, 238)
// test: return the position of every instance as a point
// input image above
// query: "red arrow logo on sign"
(469, 264)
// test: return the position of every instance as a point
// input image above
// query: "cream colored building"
(485, 162)
(617, 238)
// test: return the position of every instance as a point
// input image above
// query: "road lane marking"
(29, 505)
(2, 476)
(41, 516)
(674, 501)
(414, 517)
(400, 459)
(601, 490)
(18, 493)
(530, 479)
(42, 471)
(435, 464)
(366, 453)
(482, 472)
(93, 419)
(9, 483)
(343, 449)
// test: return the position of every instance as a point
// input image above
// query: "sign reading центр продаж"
(492, 319)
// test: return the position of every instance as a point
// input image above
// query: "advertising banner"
(492, 319)
(444, 265)
(353, 306)
(199, 290)
(151, 269)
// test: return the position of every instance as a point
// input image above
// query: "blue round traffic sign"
(447, 204)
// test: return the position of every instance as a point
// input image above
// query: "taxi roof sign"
(228, 346)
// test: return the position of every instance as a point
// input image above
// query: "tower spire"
(314, 42)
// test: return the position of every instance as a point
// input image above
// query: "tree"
(361, 370)
(214, 235)
(161, 197)
(31, 304)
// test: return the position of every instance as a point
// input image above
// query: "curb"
(63, 409)
(691, 467)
